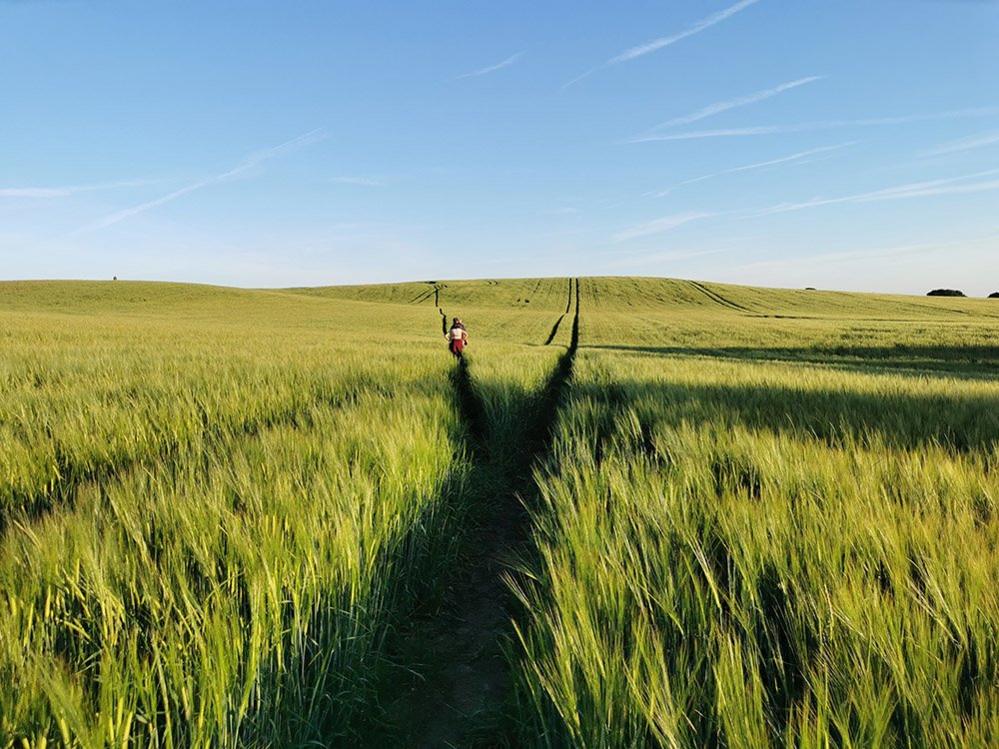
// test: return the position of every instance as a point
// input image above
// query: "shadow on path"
(568, 308)
(450, 677)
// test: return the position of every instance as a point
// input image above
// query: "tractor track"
(568, 308)
(718, 298)
(423, 296)
(440, 310)
(452, 682)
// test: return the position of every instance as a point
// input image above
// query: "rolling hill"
(639, 512)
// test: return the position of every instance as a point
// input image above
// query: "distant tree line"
(956, 292)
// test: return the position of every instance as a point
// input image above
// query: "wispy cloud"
(492, 68)
(800, 157)
(965, 184)
(696, 28)
(871, 253)
(660, 225)
(666, 41)
(66, 191)
(359, 181)
(965, 144)
(740, 101)
(961, 185)
(252, 161)
(814, 126)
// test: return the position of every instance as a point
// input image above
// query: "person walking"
(457, 338)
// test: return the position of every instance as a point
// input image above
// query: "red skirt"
(457, 346)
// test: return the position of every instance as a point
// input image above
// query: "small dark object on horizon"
(994, 295)
(945, 292)
(114, 278)
(809, 288)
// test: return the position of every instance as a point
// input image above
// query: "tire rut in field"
(568, 307)
(452, 684)
(718, 298)
(440, 310)
(424, 296)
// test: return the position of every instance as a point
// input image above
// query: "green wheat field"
(643, 512)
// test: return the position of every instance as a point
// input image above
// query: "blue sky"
(850, 144)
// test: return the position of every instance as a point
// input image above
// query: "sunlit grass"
(767, 517)
(758, 555)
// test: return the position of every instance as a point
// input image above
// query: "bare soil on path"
(452, 683)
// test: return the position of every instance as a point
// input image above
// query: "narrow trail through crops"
(454, 685)
(568, 308)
